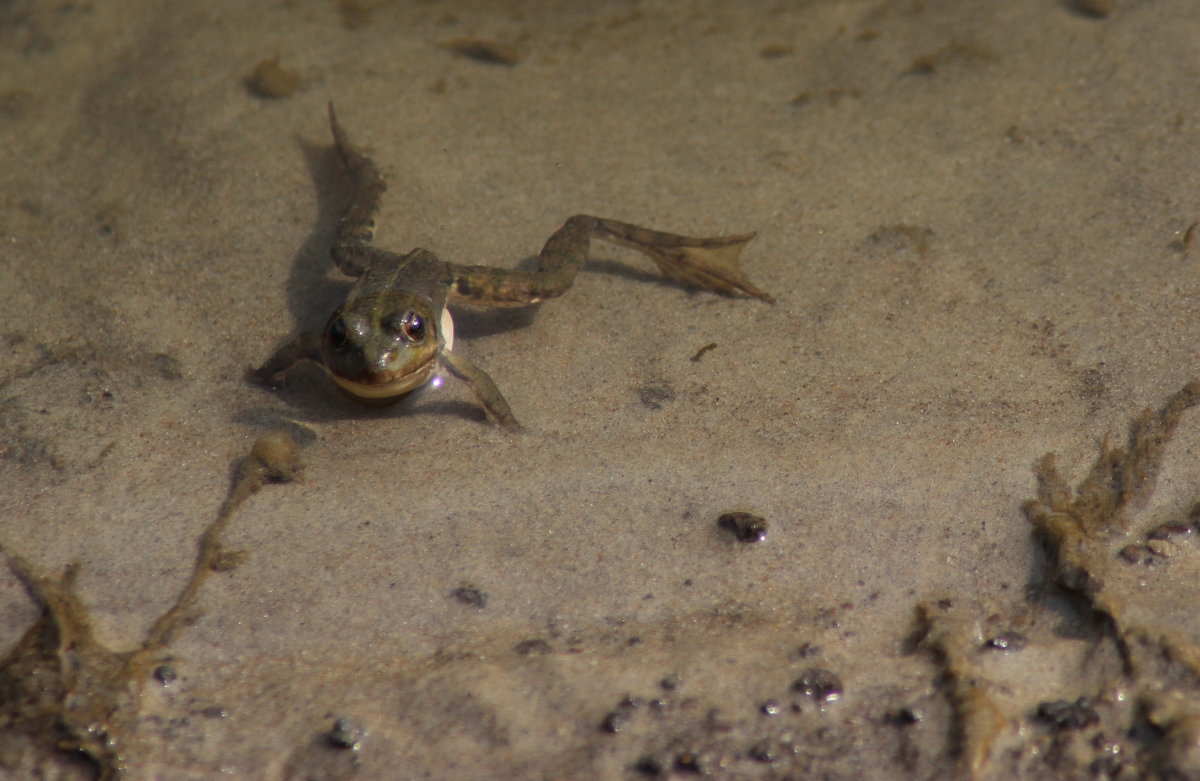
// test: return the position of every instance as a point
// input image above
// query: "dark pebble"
(1063, 715)
(165, 674)
(762, 751)
(614, 722)
(1170, 531)
(671, 682)
(649, 766)
(744, 526)
(1138, 554)
(770, 708)
(807, 650)
(904, 717)
(688, 762)
(820, 684)
(345, 733)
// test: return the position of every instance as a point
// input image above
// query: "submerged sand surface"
(978, 220)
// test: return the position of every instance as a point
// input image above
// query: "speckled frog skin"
(394, 333)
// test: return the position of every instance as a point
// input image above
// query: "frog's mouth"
(388, 387)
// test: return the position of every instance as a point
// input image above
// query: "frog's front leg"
(305, 347)
(482, 386)
(708, 263)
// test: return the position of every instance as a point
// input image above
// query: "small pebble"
(345, 733)
(744, 526)
(1007, 641)
(819, 683)
(614, 722)
(165, 674)
(271, 80)
(1170, 531)
(1139, 554)
(762, 751)
(807, 650)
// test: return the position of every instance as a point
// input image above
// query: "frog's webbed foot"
(305, 347)
(483, 388)
(707, 263)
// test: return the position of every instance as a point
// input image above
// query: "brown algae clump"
(61, 689)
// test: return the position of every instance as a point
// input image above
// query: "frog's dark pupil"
(337, 333)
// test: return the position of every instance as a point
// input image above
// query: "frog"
(394, 333)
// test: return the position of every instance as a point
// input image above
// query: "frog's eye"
(410, 325)
(414, 328)
(337, 334)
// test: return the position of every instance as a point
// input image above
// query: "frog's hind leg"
(352, 251)
(708, 263)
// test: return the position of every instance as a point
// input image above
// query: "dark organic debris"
(653, 396)
(775, 50)
(470, 595)
(1064, 715)
(1094, 9)
(535, 646)
(484, 50)
(705, 349)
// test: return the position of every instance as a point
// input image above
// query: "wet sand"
(979, 226)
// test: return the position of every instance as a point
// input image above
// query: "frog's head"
(378, 348)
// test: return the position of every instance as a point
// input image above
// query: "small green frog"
(393, 334)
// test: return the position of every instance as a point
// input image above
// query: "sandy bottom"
(979, 221)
